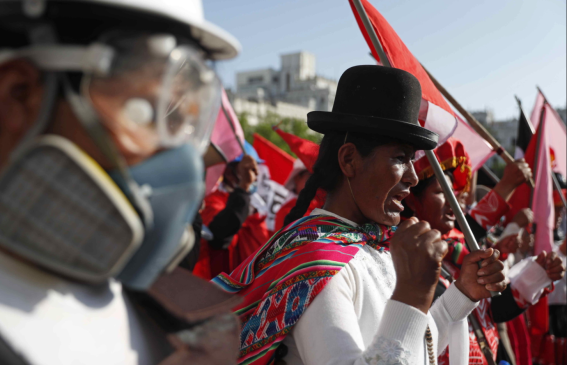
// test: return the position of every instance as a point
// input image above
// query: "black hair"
(418, 190)
(326, 172)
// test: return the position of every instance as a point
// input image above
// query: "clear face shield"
(149, 94)
(161, 94)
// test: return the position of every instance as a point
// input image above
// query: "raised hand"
(417, 252)
(552, 265)
(515, 174)
(477, 283)
(247, 171)
(524, 217)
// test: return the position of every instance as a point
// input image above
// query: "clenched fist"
(417, 252)
(552, 265)
(477, 283)
(247, 171)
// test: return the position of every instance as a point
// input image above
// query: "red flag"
(478, 149)
(278, 161)
(435, 114)
(224, 137)
(307, 151)
(542, 204)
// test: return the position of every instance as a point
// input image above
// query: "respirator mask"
(61, 210)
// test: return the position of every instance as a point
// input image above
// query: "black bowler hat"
(376, 100)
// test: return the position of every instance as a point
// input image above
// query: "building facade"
(294, 89)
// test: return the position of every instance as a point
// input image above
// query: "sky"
(483, 52)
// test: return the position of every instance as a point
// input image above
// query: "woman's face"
(382, 181)
(431, 206)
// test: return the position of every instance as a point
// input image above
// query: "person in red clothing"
(306, 152)
(236, 228)
(427, 202)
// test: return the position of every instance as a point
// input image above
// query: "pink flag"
(536, 112)
(557, 133)
(225, 138)
(542, 204)
(478, 149)
(435, 113)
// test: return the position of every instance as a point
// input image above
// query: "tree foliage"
(265, 126)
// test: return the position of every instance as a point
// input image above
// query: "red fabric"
(478, 149)
(482, 312)
(317, 202)
(398, 54)
(451, 155)
(548, 355)
(252, 235)
(520, 340)
(538, 324)
(211, 260)
(278, 161)
(489, 210)
(542, 201)
(307, 151)
(561, 350)
(557, 198)
(249, 238)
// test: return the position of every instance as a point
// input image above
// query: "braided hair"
(327, 172)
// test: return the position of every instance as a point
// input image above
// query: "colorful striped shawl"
(284, 276)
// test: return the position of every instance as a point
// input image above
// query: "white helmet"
(219, 44)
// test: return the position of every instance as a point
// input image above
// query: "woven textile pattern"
(280, 281)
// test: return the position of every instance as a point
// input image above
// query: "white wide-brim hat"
(221, 43)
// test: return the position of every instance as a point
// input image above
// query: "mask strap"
(88, 117)
(350, 187)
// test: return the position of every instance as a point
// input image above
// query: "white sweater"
(353, 321)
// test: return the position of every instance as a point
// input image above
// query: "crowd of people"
(110, 252)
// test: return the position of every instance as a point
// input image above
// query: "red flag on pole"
(435, 113)
(307, 151)
(478, 149)
(538, 156)
(278, 161)
(224, 137)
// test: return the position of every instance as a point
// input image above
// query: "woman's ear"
(348, 157)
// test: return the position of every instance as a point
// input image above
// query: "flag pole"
(439, 174)
(491, 175)
(556, 185)
(554, 179)
(477, 126)
(547, 102)
(536, 156)
(530, 124)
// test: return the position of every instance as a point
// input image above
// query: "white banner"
(271, 196)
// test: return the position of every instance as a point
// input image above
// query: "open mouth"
(397, 199)
(450, 215)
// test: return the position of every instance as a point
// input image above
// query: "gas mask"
(61, 210)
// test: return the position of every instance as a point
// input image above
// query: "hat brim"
(419, 137)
